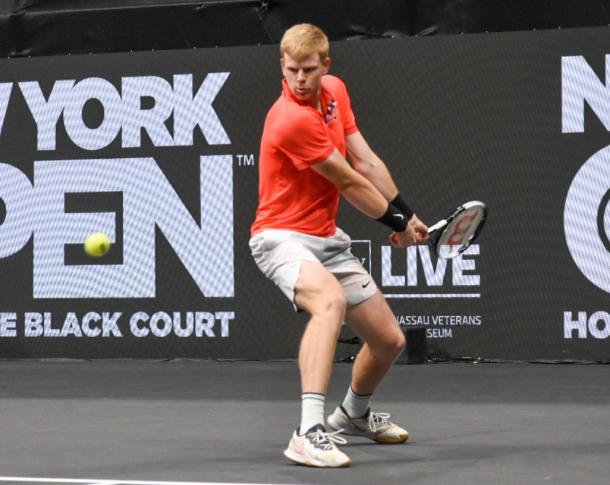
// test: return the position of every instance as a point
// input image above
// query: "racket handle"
(439, 225)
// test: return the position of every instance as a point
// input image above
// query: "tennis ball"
(97, 244)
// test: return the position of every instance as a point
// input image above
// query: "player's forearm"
(366, 162)
(363, 195)
(378, 174)
(357, 190)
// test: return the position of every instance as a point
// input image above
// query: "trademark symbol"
(245, 160)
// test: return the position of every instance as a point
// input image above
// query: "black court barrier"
(31, 28)
(159, 150)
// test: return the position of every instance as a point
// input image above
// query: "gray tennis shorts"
(278, 253)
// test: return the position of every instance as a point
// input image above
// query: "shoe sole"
(299, 460)
(392, 441)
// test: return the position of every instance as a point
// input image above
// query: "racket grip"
(439, 225)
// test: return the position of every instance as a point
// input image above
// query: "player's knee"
(330, 307)
(401, 342)
(394, 344)
(333, 307)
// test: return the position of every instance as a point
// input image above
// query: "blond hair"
(302, 40)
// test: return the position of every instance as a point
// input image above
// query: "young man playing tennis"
(307, 134)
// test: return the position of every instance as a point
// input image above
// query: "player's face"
(304, 76)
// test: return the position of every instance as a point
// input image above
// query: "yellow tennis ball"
(97, 244)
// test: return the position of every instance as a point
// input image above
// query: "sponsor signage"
(159, 150)
(587, 205)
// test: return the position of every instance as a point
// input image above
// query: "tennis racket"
(452, 236)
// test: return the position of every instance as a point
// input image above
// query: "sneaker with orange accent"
(374, 426)
(317, 448)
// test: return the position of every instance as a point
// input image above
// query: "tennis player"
(295, 242)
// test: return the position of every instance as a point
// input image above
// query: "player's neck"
(316, 101)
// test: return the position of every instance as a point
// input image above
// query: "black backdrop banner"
(160, 151)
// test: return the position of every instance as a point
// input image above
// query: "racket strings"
(460, 232)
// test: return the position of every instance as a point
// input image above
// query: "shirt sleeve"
(304, 139)
(347, 115)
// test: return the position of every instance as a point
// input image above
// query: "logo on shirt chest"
(331, 112)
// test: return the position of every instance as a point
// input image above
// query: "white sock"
(356, 405)
(312, 410)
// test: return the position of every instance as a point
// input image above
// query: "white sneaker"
(375, 426)
(317, 448)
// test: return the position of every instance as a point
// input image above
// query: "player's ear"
(326, 65)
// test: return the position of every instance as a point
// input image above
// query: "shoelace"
(377, 420)
(326, 441)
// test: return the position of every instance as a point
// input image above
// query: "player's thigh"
(317, 290)
(374, 321)
(357, 283)
(279, 255)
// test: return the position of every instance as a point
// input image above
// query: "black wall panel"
(160, 150)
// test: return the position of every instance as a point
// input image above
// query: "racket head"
(460, 231)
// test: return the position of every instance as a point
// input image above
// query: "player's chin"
(303, 94)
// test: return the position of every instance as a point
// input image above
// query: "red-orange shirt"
(295, 137)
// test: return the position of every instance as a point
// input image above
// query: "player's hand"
(416, 232)
(420, 230)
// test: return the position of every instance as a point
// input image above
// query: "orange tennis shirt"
(295, 137)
